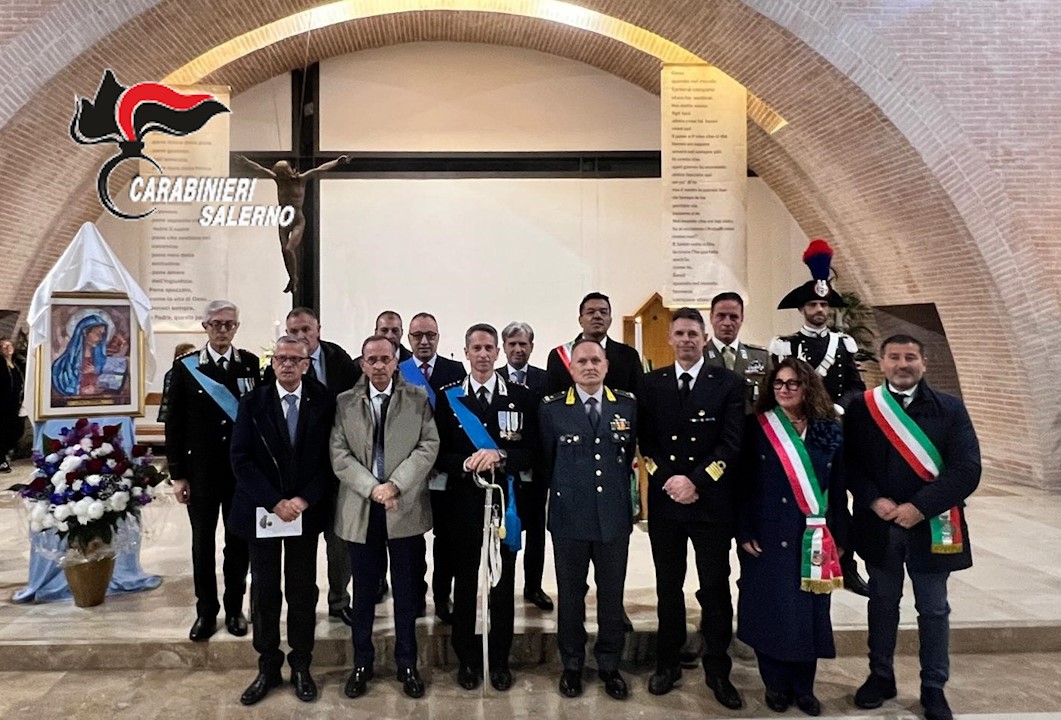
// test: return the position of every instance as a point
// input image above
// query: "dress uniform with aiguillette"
(590, 514)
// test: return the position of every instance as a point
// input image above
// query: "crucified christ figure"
(291, 190)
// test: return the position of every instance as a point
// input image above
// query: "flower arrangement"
(85, 483)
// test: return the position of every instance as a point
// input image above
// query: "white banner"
(705, 178)
(186, 263)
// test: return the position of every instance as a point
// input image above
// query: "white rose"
(62, 512)
(49, 521)
(95, 510)
(77, 485)
(51, 458)
(38, 511)
(93, 480)
(81, 506)
(62, 527)
(125, 483)
(112, 463)
(71, 450)
(58, 479)
(86, 444)
(70, 463)
(35, 525)
(119, 501)
(104, 450)
(138, 491)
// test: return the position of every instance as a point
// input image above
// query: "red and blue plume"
(818, 257)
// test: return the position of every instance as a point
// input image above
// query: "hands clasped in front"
(289, 510)
(680, 489)
(386, 494)
(905, 515)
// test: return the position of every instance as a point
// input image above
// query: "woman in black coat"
(11, 383)
(793, 520)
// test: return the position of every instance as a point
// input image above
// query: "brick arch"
(869, 161)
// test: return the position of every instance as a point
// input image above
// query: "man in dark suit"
(389, 325)
(433, 372)
(589, 440)
(282, 466)
(518, 342)
(507, 413)
(912, 460)
(624, 364)
(331, 366)
(691, 420)
(203, 399)
(724, 349)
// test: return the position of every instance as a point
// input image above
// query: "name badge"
(510, 424)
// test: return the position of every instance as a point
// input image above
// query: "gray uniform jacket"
(410, 446)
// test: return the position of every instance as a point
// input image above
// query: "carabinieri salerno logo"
(124, 115)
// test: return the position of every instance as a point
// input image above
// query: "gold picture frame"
(92, 362)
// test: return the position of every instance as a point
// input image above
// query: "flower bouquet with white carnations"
(86, 483)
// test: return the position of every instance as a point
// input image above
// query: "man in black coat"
(435, 373)
(330, 365)
(909, 509)
(203, 399)
(282, 466)
(624, 364)
(389, 325)
(691, 420)
(517, 340)
(508, 413)
(589, 437)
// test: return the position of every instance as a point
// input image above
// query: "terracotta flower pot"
(89, 580)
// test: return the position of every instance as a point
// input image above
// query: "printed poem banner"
(187, 264)
(705, 179)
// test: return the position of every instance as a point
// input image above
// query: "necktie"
(377, 444)
(591, 410)
(729, 357)
(312, 372)
(223, 364)
(518, 375)
(683, 391)
(484, 398)
(902, 399)
(426, 370)
(292, 416)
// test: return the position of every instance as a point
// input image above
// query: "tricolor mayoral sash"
(922, 456)
(481, 439)
(564, 352)
(820, 564)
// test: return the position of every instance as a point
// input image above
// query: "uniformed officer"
(588, 439)
(203, 399)
(724, 349)
(831, 354)
(691, 419)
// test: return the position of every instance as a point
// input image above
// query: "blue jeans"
(933, 615)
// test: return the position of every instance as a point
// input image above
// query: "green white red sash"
(564, 352)
(820, 564)
(922, 456)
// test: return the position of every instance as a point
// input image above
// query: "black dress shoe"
(852, 580)
(874, 692)
(662, 682)
(412, 684)
(346, 614)
(539, 599)
(469, 677)
(357, 683)
(725, 693)
(444, 611)
(501, 679)
(202, 629)
(809, 705)
(777, 701)
(305, 687)
(236, 624)
(260, 688)
(571, 683)
(935, 704)
(614, 684)
(381, 591)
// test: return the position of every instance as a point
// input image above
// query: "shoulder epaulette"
(554, 397)
(452, 384)
(753, 347)
(625, 394)
(190, 352)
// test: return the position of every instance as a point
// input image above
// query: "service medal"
(620, 424)
(510, 424)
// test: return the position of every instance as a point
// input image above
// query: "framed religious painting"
(93, 360)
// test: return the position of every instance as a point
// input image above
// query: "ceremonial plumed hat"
(818, 257)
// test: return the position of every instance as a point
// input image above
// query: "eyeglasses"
(429, 336)
(790, 385)
(222, 325)
(288, 359)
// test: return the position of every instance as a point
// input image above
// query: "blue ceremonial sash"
(413, 376)
(217, 392)
(480, 438)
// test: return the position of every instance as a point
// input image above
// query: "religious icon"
(91, 362)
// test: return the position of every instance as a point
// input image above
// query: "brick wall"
(920, 142)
